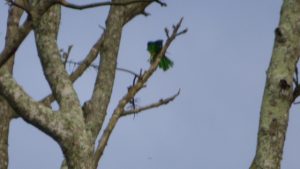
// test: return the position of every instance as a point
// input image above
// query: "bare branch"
(151, 106)
(19, 5)
(6, 111)
(9, 51)
(182, 32)
(66, 55)
(176, 27)
(277, 97)
(12, 31)
(131, 93)
(128, 71)
(27, 108)
(107, 3)
(56, 76)
(97, 67)
(117, 18)
(24, 30)
(167, 32)
(91, 56)
(161, 3)
(85, 64)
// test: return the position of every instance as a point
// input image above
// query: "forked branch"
(23, 30)
(91, 56)
(132, 92)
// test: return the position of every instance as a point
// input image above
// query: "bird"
(154, 47)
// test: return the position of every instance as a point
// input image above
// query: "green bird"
(154, 48)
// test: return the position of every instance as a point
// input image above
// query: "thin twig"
(151, 106)
(97, 66)
(66, 55)
(182, 32)
(167, 32)
(128, 71)
(161, 3)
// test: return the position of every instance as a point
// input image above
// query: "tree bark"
(6, 112)
(75, 143)
(75, 128)
(278, 92)
(5, 117)
(118, 16)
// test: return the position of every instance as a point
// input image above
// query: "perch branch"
(132, 92)
(151, 106)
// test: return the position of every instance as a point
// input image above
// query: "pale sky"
(219, 65)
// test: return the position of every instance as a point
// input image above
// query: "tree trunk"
(5, 117)
(79, 156)
(6, 112)
(278, 93)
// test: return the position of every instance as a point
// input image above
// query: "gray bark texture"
(6, 112)
(279, 93)
(74, 127)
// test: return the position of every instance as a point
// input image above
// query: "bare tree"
(74, 127)
(281, 89)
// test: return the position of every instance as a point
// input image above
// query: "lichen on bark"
(278, 93)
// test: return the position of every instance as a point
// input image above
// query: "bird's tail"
(165, 63)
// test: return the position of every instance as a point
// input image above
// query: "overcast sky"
(219, 66)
